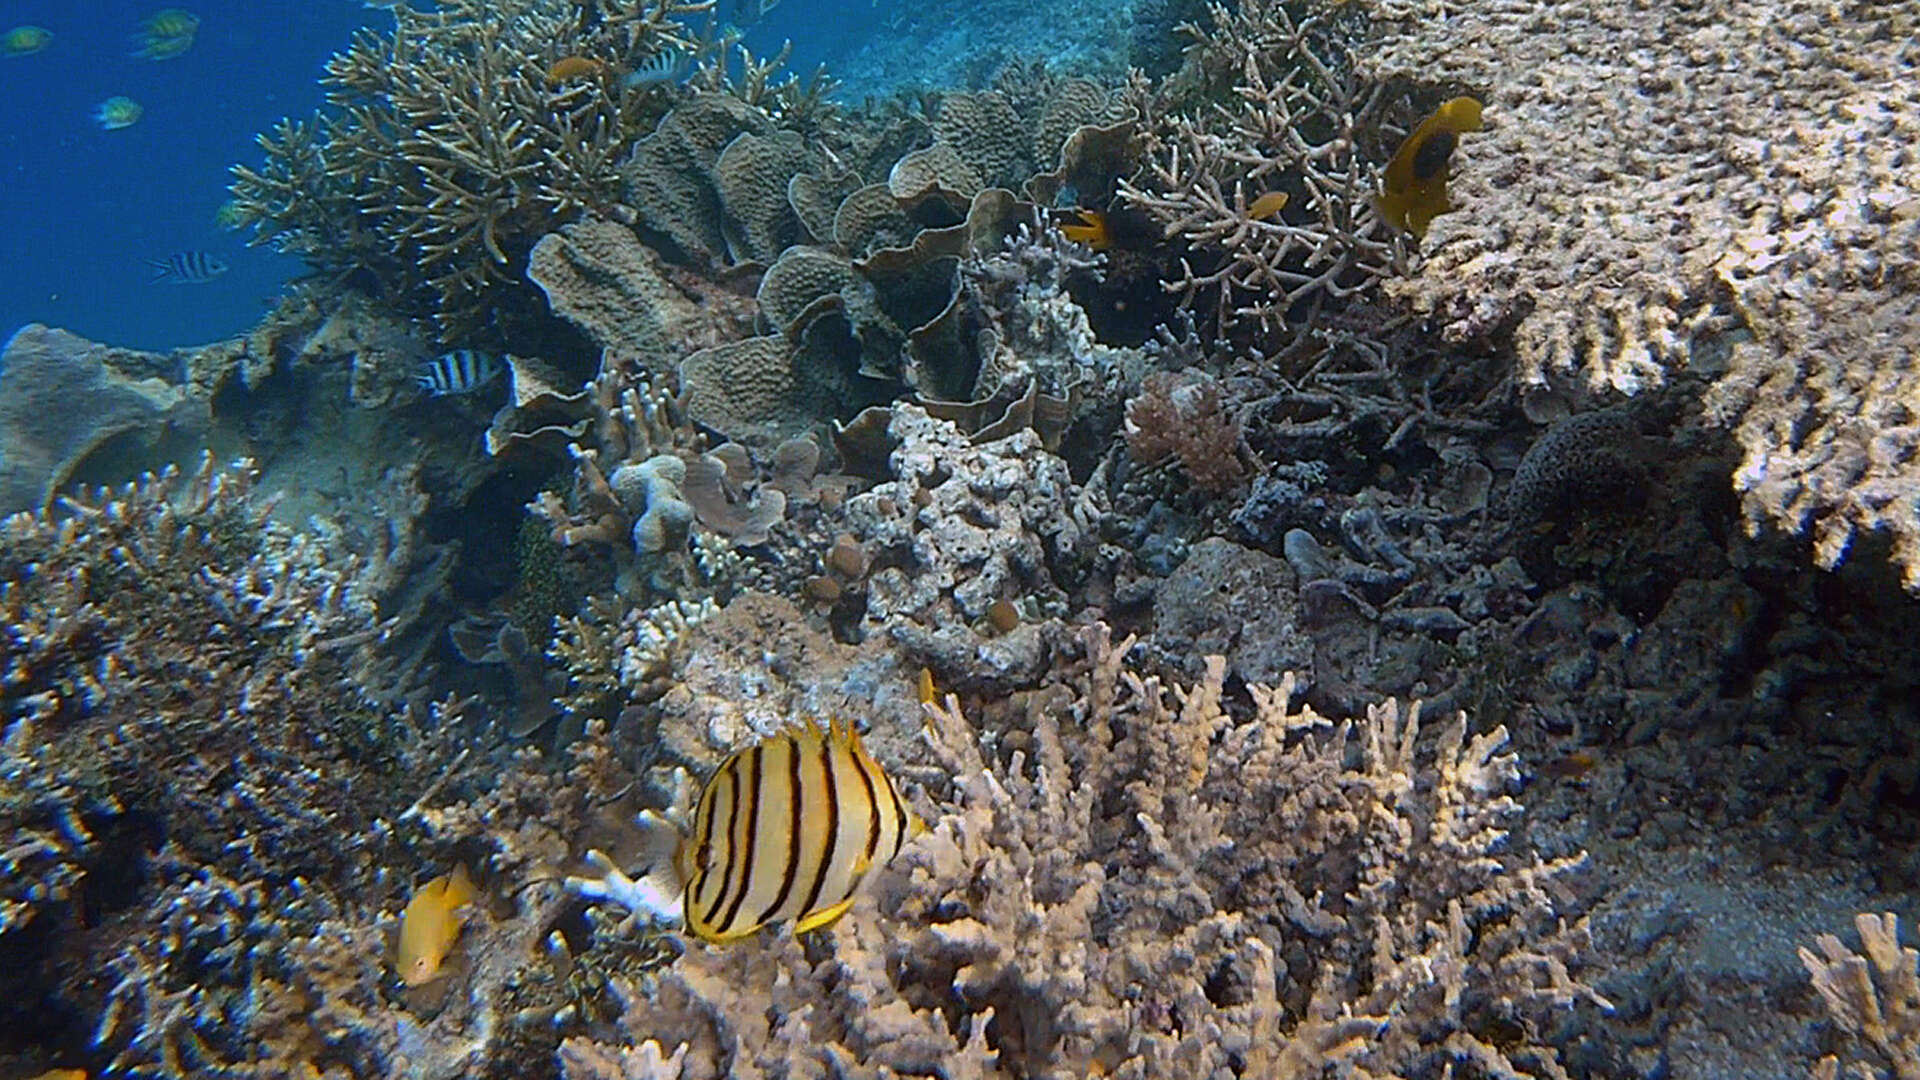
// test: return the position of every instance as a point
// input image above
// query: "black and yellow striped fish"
(785, 830)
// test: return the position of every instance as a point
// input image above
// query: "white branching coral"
(1875, 997)
(1130, 879)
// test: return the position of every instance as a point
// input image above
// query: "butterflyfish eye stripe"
(832, 803)
(745, 850)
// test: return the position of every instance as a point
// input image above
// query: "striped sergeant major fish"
(461, 371)
(783, 834)
(187, 268)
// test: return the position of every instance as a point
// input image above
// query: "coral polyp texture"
(1695, 189)
(1132, 879)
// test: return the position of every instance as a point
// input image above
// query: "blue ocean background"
(85, 209)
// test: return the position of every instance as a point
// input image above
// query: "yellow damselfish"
(431, 924)
(1414, 190)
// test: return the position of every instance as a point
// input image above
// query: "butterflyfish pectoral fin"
(824, 917)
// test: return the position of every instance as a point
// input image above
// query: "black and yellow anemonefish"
(785, 831)
(1414, 190)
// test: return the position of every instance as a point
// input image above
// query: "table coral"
(1697, 188)
(63, 397)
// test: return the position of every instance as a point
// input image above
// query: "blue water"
(84, 209)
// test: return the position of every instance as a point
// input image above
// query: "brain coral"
(1655, 176)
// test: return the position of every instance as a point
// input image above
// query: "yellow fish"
(165, 34)
(25, 40)
(1090, 229)
(1414, 190)
(429, 926)
(117, 112)
(572, 68)
(63, 1074)
(785, 831)
(1267, 205)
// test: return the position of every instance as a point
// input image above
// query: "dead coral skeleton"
(1874, 997)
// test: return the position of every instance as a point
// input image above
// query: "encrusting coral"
(1128, 879)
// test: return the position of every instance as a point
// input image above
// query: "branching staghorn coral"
(1133, 880)
(452, 150)
(184, 738)
(1874, 996)
(1295, 123)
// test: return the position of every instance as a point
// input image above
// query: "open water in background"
(82, 209)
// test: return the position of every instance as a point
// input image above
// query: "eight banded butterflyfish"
(187, 268)
(461, 371)
(783, 834)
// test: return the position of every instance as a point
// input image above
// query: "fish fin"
(459, 888)
(823, 918)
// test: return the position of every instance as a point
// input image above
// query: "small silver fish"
(186, 268)
(461, 371)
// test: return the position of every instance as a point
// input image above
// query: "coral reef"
(449, 152)
(181, 715)
(1748, 219)
(1874, 997)
(1298, 121)
(1138, 882)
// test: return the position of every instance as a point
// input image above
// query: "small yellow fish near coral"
(573, 68)
(1414, 189)
(62, 1074)
(1267, 206)
(431, 924)
(165, 34)
(1089, 228)
(25, 40)
(117, 112)
(783, 833)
